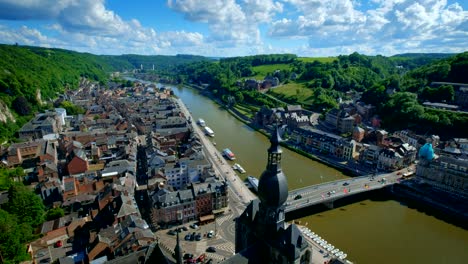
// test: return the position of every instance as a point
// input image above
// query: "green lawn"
(263, 70)
(294, 91)
(321, 59)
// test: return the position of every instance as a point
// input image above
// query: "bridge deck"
(331, 191)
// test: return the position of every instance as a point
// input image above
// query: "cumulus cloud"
(403, 25)
(87, 25)
(230, 22)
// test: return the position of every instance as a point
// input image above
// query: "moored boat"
(209, 131)
(201, 122)
(238, 167)
(253, 182)
(228, 154)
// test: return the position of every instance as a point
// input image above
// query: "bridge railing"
(316, 186)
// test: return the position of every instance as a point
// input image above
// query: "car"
(192, 236)
(171, 232)
(188, 256)
(211, 249)
(298, 197)
(345, 184)
(59, 243)
(184, 228)
(187, 237)
(198, 237)
(210, 234)
(194, 226)
(44, 260)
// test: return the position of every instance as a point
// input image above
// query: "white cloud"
(87, 25)
(404, 24)
(231, 23)
(27, 36)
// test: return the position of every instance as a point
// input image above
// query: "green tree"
(10, 238)
(54, 213)
(21, 105)
(26, 205)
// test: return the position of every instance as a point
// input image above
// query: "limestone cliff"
(5, 113)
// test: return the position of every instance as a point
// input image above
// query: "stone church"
(262, 236)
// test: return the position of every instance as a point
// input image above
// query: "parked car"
(184, 228)
(171, 232)
(59, 243)
(298, 197)
(198, 237)
(188, 256)
(345, 184)
(211, 249)
(192, 236)
(188, 237)
(194, 226)
(210, 234)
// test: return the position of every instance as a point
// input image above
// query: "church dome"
(273, 188)
(426, 152)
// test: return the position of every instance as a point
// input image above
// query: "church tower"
(262, 236)
(272, 191)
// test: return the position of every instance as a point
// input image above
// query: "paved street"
(330, 191)
(221, 167)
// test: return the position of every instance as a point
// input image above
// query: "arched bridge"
(326, 193)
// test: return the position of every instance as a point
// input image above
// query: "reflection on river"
(369, 231)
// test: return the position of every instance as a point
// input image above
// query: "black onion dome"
(272, 186)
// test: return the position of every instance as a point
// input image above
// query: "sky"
(226, 28)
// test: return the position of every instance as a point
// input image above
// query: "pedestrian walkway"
(226, 246)
(224, 218)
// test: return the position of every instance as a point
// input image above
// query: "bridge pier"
(329, 205)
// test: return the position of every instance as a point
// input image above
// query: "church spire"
(178, 249)
(274, 152)
(273, 187)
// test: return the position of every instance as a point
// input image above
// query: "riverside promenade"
(221, 166)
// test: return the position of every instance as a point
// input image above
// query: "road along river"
(371, 231)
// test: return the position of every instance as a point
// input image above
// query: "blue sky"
(223, 28)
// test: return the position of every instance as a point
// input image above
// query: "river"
(368, 231)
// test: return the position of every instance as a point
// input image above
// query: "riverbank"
(339, 166)
(433, 202)
(221, 166)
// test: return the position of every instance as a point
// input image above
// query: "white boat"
(209, 131)
(253, 182)
(238, 167)
(201, 122)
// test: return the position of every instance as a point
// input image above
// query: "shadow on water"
(429, 210)
(375, 195)
(381, 195)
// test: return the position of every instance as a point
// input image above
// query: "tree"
(54, 213)
(21, 105)
(26, 205)
(10, 243)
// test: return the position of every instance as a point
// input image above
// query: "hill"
(30, 76)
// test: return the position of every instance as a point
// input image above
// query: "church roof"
(272, 186)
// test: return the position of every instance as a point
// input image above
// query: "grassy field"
(263, 70)
(294, 91)
(321, 59)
